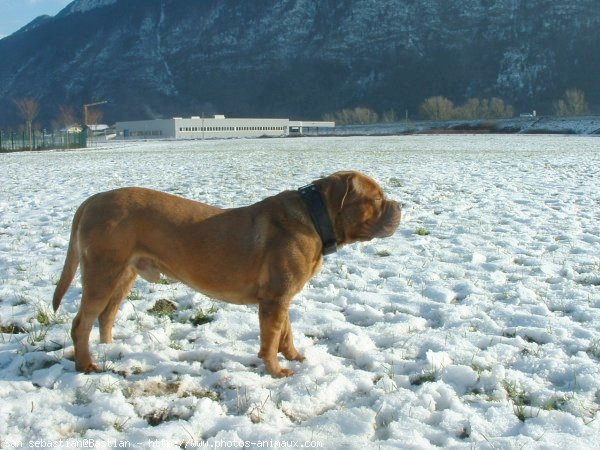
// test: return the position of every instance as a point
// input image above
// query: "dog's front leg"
(273, 317)
(286, 342)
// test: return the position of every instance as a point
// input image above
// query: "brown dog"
(260, 254)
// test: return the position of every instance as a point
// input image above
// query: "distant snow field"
(477, 325)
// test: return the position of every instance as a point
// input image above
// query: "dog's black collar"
(318, 213)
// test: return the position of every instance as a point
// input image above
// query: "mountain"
(299, 58)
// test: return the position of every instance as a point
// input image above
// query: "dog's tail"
(71, 262)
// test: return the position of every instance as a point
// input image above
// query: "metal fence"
(15, 141)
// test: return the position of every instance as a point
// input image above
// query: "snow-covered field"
(476, 326)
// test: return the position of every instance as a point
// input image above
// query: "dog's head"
(358, 207)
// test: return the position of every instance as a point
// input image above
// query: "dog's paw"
(276, 371)
(87, 368)
(282, 373)
(295, 357)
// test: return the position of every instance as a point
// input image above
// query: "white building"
(215, 127)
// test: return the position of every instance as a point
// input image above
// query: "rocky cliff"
(299, 58)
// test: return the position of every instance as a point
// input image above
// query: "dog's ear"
(337, 188)
(350, 182)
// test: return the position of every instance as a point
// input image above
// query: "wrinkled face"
(358, 207)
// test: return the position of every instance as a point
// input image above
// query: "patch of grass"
(175, 345)
(201, 317)
(82, 396)
(472, 328)
(529, 352)
(395, 182)
(163, 308)
(168, 388)
(422, 231)
(515, 394)
(12, 329)
(594, 349)
(390, 372)
(426, 377)
(201, 393)
(119, 425)
(465, 433)
(21, 300)
(532, 339)
(479, 369)
(256, 413)
(157, 417)
(36, 335)
(555, 403)
(161, 389)
(521, 412)
(520, 400)
(135, 294)
(383, 253)
(43, 318)
(151, 389)
(106, 387)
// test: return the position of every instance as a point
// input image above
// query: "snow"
(483, 332)
(81, 6)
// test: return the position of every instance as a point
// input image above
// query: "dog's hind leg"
(99, 282)
(107, 317)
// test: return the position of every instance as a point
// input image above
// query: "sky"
(15, 14)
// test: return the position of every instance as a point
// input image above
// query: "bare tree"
(499, 109)
(471, 109)
(484, 108)
(572, 104)
(344, 116)
(389, 116)
(28, 110)
(474, 108)
(437, 108)
(365, 116)
(66, 116)
(358, 115)
(94, 116)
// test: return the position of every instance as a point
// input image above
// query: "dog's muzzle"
(390, 219)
